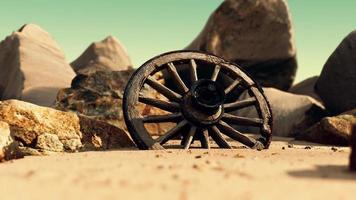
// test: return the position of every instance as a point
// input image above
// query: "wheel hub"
(203, 104)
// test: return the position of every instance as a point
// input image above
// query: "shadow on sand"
(339, 172)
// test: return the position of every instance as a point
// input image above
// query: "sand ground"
(292, 173)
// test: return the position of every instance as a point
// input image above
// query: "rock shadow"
(338, 172)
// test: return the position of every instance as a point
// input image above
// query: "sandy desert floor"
(289, 173)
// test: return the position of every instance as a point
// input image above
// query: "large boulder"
(331, 130)
(306, 87)
(107, 54)
(99, 96)
(291, 113)
(337, 83)
(258, 35)
(42, 129)
(33, 67)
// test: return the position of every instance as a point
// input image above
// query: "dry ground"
(292, 173)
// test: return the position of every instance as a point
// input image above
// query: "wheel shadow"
(338, 172)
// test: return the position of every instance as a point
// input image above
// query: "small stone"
(195, 166)
(239, 156)
(198, 157)
(334, 149)
(290, 145)
(49, 142)
(308, 147)
(283, 148)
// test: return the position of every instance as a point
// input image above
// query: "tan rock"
(49, 142)
(108, 55)
(5, 139)
(331, 130)
(33, 67)
(29, 121)
(102, 136)
(49, 130)
(258, 35)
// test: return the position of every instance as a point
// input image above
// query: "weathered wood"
(186, 109)
(218, 138)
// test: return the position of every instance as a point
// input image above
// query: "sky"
(151, 27)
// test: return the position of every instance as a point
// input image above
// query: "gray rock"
(258, 35)
(33, 67)
(307, 88)
(106, 55)
(291, 113)
(337, 83)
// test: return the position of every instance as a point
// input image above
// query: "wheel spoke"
(204, 139)
(215, 74)
(189, 139)
(239, 104)
(171, 133)
(218, 138)
(163, 89)
(167, 106)
(162, 118)
(236, 135)
(181, 85)
(244, 121)
(232, 86)
(193, 71)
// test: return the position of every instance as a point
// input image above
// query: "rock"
(99, 96)
(28, 121)
(258, 35)
(101, 136)
(331, 130)
(108, 55)
(49, 142)
(41, 129)
(337, 83)
(291, 113)
(353, 150)
(306, 88)
(33, 67)
(5, 139)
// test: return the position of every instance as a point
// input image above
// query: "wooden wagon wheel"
(202, 102)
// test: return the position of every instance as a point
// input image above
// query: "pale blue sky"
(148, 28)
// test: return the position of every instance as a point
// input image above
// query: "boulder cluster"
(62, 107)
